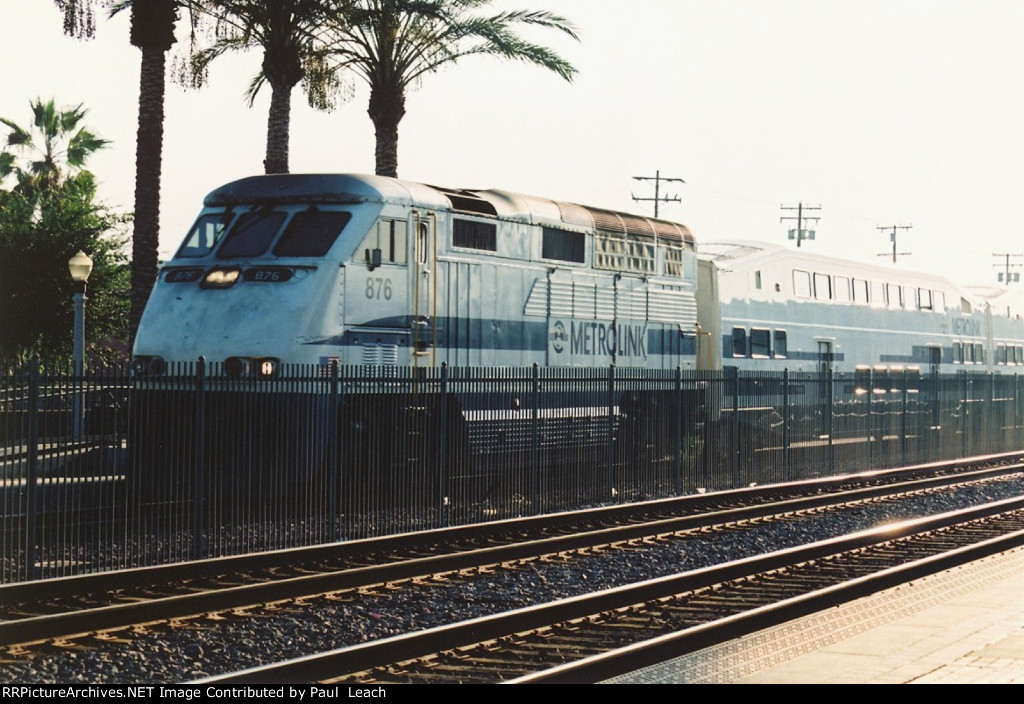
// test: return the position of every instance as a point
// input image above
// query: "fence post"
(991, 418)
(442, 465)
(679, 431)
(785, 425)
(734, 452)
(535, 441)
(32, 488)
(963, 415)
(903, 424)
(870, 395)
(334, 437)
(830, 399)
(935, 431)
(611, 430)
(198, 510)
(1017, 408)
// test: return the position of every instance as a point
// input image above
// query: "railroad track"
(99, 604)
(597, 636)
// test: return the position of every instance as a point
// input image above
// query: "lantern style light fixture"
(80, 267)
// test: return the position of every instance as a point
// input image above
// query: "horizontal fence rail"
(111, 470)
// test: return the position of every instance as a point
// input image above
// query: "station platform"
(962, 626)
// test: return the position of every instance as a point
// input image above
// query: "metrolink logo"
(596, 338)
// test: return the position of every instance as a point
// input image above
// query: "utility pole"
(892, 236)
(1004, 275)
(800, 234)
(658, 178)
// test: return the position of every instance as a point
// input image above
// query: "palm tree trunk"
(387, 108)
(148, 157)
(152, 31)
(278, 124)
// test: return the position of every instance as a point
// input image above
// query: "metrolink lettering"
(596, 338)
(966, 326)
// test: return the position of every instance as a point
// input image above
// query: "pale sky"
(881, 112)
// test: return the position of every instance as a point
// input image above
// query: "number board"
(185, 275)
(267, 274)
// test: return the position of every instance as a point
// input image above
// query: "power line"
(658, 178)
(1004, 275)
(800, 234)
(892, 236)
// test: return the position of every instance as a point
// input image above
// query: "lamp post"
(80, 267)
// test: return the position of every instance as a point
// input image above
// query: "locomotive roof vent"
(467, 201)
(624, 223)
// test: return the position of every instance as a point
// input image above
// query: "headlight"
(268, 366)
(237, 366)
(145, 365)
(221, 277)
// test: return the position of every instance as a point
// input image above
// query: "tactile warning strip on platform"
(980, 639)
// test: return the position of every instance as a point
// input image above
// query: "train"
(354, 269)
(348, 271)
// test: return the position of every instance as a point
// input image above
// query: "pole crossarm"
(1005, 275)
(801, 234)
(892, 236)
(658, 198)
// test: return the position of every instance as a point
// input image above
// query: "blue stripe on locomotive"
(515, 335)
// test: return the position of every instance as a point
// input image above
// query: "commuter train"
(402, 279)
(368, 270)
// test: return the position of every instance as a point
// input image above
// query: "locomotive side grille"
(371, 354)
(562, 295)
(561, 298)
(537, 301)
(376, 354)
(672, 306)
(632, 303)
(583, 305)
(604, 300)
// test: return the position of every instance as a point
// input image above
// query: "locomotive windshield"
(307, 233)
(205, 235)
(251, 234)
(311, 233)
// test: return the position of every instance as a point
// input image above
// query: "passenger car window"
(739, 342)
(781, 345)
(760, 342)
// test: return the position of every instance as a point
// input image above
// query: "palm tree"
(152, 31)
(48, 212)
(392, 43)
(284, 30)
(56, 152)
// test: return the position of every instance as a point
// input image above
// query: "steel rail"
(32, 629)
(115, 580)
(380, 653)
(633, 657)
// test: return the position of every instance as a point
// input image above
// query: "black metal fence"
(110, 470)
